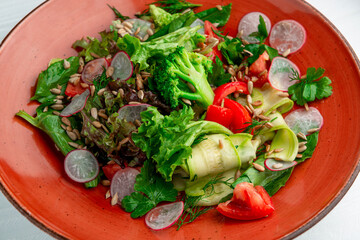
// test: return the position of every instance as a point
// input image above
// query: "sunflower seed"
(298, 155)
(101, 92)
(57, 106)
(306, 107)
(139, 82)
(265, 86)
(77, 133)
(302, 144)
(69, 128)
(267, 148)
(46, 108)
(257, 103)
(109, 71)
(84, 85)
(115, 93)
(269, 125)
(301, 135)
(146, 37)
(277, 150)
(237, 174)
(66, 64)
(105, 129)
(282, 94)
(66, 121)
(122, 32)
(134, 103)
(240, 75)
(63, 127)
(114, 199)
(245, 42)
(55, 91)
(250, 86)
(249, 99)
(262, 117)
(92, 90)
(95, 55)
(303, 76)
(105, 182)
(74, 80)
(128, 25)
(258, 167)
(94, 113)
(302, 148)
(248, 52)
(187, 101)
(263, 72)
(102, 115)
(313, 130)
(141, 94)
(270, 152)
(286, 53)
(73, 144)
(240, 33)
(257, 112)
(277, 165)
(246, 70)
(56, 113)
(96, 124)
(107, 194)
(219, 7)
(71, 135)
(81, 65)
(231, 71)
(247, 108)
(137, 31)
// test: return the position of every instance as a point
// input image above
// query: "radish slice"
(249, 24)
(77, 104)
(93, 69)
(199, 22)
(81, 165)
(287, 34)
(132, 112)
(275, 165)
(123, 183)
(301, 120)
(280, 71)
(123, 67)
(139, 23)
(164, 216)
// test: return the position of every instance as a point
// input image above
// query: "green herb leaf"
(150, 190)
(218, 76)
(309, 89)
(214, 15)
(176, 6)
(118, 14)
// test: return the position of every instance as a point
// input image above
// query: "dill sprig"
(118, 14)
(191, 210)
(101, 81)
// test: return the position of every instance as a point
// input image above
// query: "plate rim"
(301, 229)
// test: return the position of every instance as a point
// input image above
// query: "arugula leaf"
(117, 13)
(150, 190)
(309, 88)
(214, 15)
(53, 76)
(262, 33)
(218, 76)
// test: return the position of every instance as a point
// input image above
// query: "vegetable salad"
(176, 117)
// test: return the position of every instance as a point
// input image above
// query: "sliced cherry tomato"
(208, 30)
(221, 115)
(73, 90)
(247, 203)
(110, 170)
(259, 66)
(226, 89)
(241, 117)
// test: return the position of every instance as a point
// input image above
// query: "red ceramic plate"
(31, 170)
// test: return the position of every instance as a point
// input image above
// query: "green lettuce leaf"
(160, 16)
(53, 76)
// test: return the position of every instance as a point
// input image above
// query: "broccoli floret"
(179, 69)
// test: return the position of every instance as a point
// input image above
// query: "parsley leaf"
(150, 190)
(218, 76)
(309, 89)
(262, 33)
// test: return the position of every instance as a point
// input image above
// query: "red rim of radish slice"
(123, 67)
(123, 183)
(77, 104)
(275, 165)
(93, 69)
(131, 112)
(249, 24)
(81, 165)
(164, 216)
(280, 71)
(287, 34)
(302, 120)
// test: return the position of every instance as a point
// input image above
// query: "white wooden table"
(342, 222)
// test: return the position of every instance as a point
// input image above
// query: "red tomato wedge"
(259, 66)
(218, 114)
(228, 88)
(73, 90)
(110, 170)
(208, 29)
(247, 203)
